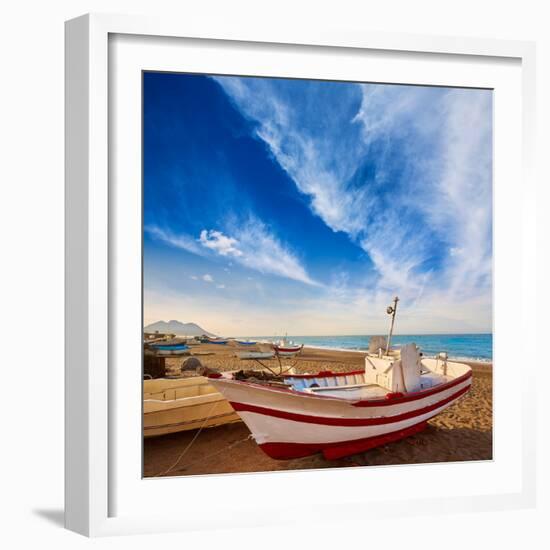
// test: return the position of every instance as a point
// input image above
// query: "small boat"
(288, 350)
(175, 405)
(222, 342)
(286, 347)
(170, 349)
(246, 343)
(256, 355)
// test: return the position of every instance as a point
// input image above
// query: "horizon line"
(296, 335)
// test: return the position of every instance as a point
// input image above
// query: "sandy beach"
(460, 433)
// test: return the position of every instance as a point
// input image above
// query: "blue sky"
(277, 205)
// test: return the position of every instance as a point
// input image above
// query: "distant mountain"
(177, 327)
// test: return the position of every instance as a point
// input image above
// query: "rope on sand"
(230, 446)
(182, 454)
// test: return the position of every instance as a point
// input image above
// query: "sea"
(475, 347)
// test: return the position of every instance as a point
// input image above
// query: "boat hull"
(287, 351)
(289, 424)
(333, 451)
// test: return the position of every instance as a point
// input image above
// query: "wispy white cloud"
(320, 162)
(208, 278)
(252, 245)
(185, 242)
(448, 137)
(462, 212)
(220, 286)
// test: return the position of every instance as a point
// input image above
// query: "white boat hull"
(288, 424)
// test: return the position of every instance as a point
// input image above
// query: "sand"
(460, 433)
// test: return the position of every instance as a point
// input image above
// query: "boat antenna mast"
(391, 310)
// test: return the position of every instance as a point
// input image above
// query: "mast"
(391, 311)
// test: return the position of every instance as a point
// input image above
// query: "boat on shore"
(170, 349)
(340, 414)
(246, 343)
(286, 348)
(176, 405)
(290, 351)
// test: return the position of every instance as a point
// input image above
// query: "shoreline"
(463, 359)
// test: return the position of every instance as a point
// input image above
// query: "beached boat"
(170, 349)
(286, 347)
(287, 350)
(246, 343)
(222, 342)
(340, 414)
(183, 404)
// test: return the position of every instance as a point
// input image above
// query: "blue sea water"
(459, 346)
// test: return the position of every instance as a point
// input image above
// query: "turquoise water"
(459, 346)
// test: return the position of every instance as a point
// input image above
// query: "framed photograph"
(294, 261)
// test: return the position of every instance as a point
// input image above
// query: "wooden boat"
(222, 342)
(246, 343)
(342, 414)
(175, 405)
(288, 350)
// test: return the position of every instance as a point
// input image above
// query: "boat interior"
(164, 389)
(408, 373)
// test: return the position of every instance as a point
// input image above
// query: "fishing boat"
(170, 349)
(287, 351)
(222, 342)
(286, 348)
(340, 414)
(246, 343)
(175, 405)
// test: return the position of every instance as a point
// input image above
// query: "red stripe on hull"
(332, 451)
(332, 421)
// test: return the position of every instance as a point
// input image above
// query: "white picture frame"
(92, 432)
